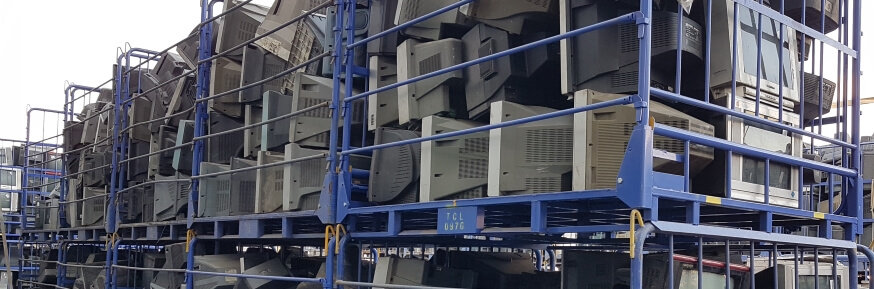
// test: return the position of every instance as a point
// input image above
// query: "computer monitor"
(302, 181)
(747, 173)
(159, 109)
(451, 23)
(141, 206)
(169, 66)
(808, 275)
(453, 168)
(600, 139)
(813, 13)
(182, 99)
(812, 95)
(312, 128)
(73, 135)
(238, 27)
(171, 198)
(213, 191)
(174, 258)
(686, 272)
(494, 269)
(138, 169)
(395, 171)
(182, 157)
(93, 131)
(188, 48)
(273, 267)
(91, 161)
(606, 59)
(93, 209)
(226, 74)
(516, 16)
(536, 157)
(72, 209)
(415, 272)
(166, 138)
(258, 64)
(274, 135)
(292, 43)
(524, 78)
(270, 181)
(747, 71)
(593, 269)
(228, 263)
(139, 112)
(443, 94)
(243, 197)
(382, 18)
(362, 21)
(382, 108)
(252, 136)
(220, 149)
(151, 260)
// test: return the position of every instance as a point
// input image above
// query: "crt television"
(453, 168)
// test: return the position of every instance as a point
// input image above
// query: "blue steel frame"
(637, 186)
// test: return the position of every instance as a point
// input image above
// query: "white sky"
(45, 43)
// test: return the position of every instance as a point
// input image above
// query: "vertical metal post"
(200, 116)
(332, 177)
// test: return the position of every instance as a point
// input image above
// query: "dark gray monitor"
(516, 16)
(382, 18)
(73, 135)
(258, 64)
(394, 171)
(182, 99)
(243, 195)
(238, 27)
(451, 23)
(91, 161)
(182, 157)
(93, 209)
(226, 74)
(166, 138)
(214, 191)
(229, 263)
(494, 269)
(138, 169)
(220, 149)
(273, 267)
(171, 198)
(139, 112)
(274, 135)
(525, 78)
(312, 128)
(443, 94)
(812, 95)
(252, 136)
(606, 60)
(382, 108)
(188, 49)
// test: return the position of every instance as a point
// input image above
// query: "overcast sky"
(45, 43)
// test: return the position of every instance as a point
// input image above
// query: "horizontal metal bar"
(89, 90)
(130, 127)
(627, 18)
(262, 277)
(252, 168)
(42, 284)
(172, 80)
(85, 199)
(266, 80)
(226, 12)
(387, 286)
(81, 265)
(720, 109)
(148, 269)
(502, 200)
(85, 171)
(743, 149)
(290, 115)
(155, 152)
(723, 233)
(105, 109)
(99, 142)
(618, 101)
(152, 182)
(408, 24)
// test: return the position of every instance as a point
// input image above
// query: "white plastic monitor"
(440, 94)
(432, 28)
(270, 182)
(809, 276)
(453, 168)
(746, 76)
(535, 157)
(239, 26)
(382, 108)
